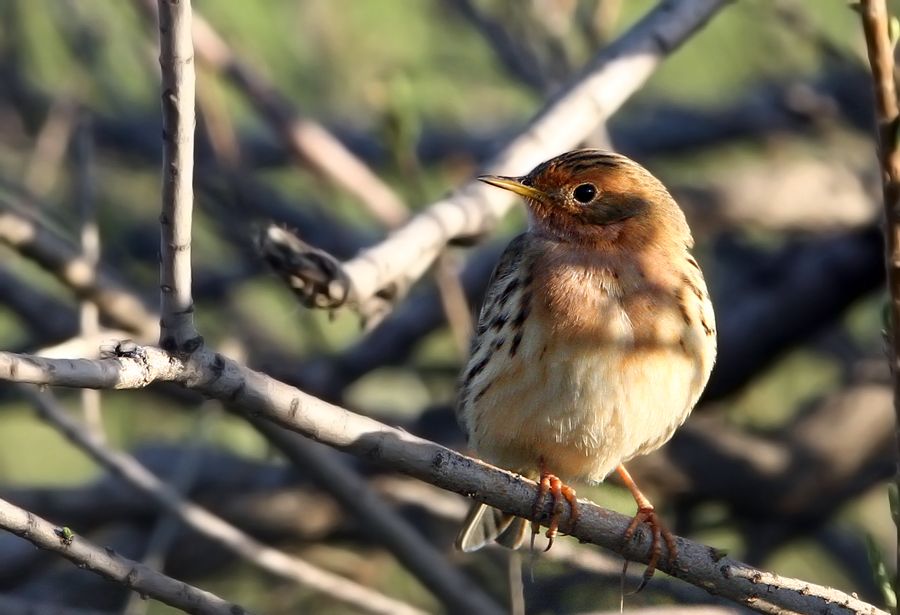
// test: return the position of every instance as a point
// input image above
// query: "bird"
(595, 340)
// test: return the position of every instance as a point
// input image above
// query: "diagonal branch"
(107, 563)
(259, 395)
(176, 59)
(616, 73)
(373, 514)
(215, 528)
(306, 139)
(35, 240)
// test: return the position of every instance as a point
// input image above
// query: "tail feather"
(484, 524)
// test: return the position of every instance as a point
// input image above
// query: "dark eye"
(584, 193)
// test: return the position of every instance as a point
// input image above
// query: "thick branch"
(176, 59)
(107, 563)
(259, 395)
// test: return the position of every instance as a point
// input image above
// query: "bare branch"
(202, 521)
(518, 59)
(107, 563)
(881, 58)
(35, 240)
(612, 77)
(305, 138)
(89, 235)
(50, 147)
(259, 395)
(176, 59)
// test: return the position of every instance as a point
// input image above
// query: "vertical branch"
(875, 22)
(89, 235)
(176, 60)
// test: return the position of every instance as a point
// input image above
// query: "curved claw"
(550, 483)
(659, 531)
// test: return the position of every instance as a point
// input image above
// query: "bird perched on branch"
(594, 342)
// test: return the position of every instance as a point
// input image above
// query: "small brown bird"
(594, 342)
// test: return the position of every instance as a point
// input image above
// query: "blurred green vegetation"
(354, 63)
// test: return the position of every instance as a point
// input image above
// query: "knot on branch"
(315, 276)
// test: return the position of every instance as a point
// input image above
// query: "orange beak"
(513, 184)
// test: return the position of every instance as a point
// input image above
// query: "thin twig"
(215, 528)
(89, 234)
(447, 277)
(50, 147)
(257, 394)
(176, 61)
(881, 58)
(219, 125)
(107, 563)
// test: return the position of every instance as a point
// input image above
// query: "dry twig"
(107, 563)
(89, 234)
(176, 61)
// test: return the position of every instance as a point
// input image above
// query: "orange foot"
(550, 483)
(659, 531)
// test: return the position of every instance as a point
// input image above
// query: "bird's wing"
(507, 267)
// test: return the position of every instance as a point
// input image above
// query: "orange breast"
(610, 362)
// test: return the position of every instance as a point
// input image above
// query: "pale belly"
(582, 409)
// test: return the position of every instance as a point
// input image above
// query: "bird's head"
(599, 199)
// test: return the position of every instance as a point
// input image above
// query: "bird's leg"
(645, 512)
(550, 483)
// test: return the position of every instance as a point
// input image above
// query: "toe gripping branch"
(559, 492)
(658, 531)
